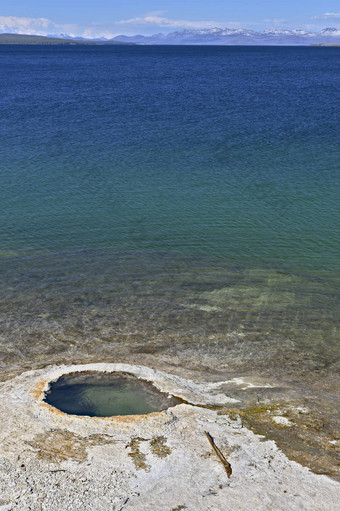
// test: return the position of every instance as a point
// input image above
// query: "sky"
(108, 18)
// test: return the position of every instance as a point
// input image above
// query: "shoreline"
(52, 460)
(279, 413)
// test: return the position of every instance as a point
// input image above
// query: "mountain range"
(226, 36)
(213, 36)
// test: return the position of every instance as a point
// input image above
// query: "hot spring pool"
(97, 394)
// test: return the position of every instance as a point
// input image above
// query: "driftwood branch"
(218, 453)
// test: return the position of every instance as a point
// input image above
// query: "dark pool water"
(104, 395)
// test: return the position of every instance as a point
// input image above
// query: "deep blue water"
(224, 151)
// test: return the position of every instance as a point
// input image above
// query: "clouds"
(330, 19)
(34, 26)
(328, 16)
(44, 26)
(160, 21)
(153, 21)
(150, 23)
(274, 21)
(23, 25)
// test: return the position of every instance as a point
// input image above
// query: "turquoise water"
(175, 207)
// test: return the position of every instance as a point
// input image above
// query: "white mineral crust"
(51, 461)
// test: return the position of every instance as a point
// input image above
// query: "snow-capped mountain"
(229, 36)
(334, 32)
(225, 36)
(75, 38)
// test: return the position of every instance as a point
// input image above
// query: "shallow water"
(175, 207)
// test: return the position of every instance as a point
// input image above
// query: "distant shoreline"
(44, 40)
(326, 44)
